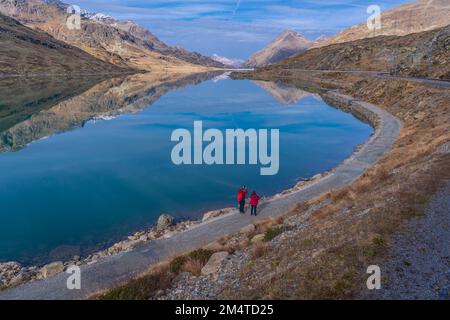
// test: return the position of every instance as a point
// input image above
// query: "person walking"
(254, 201)
(241, 198)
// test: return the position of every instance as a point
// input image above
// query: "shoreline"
(145, 238)
(127, 241)
(141, 236)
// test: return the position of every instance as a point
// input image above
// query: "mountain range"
(235, 63)
(121, 43)
(418, 16)
(25, 51)
(422, 55)
(37, 32)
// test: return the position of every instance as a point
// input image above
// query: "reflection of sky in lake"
(90, 186)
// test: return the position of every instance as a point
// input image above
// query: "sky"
(236, 28)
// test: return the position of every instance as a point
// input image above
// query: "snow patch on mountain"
(236, 63)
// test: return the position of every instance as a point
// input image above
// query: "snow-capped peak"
(227, 61)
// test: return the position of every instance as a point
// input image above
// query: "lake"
(85, 165)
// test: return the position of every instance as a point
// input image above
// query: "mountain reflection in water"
(33, 109)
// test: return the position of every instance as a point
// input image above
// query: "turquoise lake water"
(91, 185)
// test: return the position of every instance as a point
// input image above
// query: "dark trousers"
(254, 210)
(242, 206)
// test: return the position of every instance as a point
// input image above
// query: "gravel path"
(418, 266)
(115, 269)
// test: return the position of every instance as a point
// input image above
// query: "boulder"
(51, 269)
(214, 263)
(248, 229)
(165, 221)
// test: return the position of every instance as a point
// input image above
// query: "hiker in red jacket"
(254, 200)
(241, 198)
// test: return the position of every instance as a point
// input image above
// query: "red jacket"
(241, 195)
(254, 200)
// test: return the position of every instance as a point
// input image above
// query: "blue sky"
(235, 28)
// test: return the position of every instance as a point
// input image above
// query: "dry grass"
(259, 250)
(159, 277)
(142, 288)
(193, 266)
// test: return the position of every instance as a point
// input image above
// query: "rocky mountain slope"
(24, 51)
(425, 55)
(285, 45)
(121, 43)
(418, 16)
(155, 44)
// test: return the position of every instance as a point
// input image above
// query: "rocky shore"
(13, 273)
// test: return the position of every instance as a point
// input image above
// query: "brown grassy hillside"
(416, 16)
(425, 54)
(25, 51)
